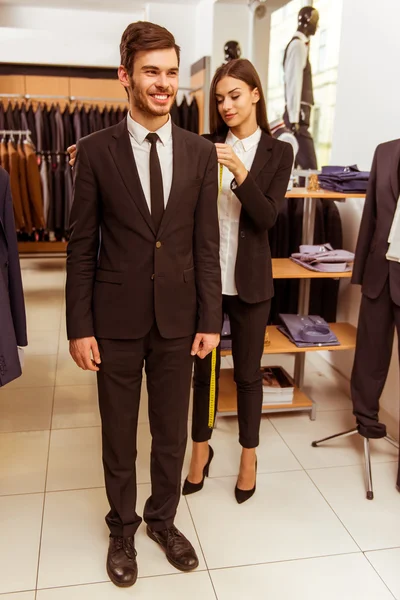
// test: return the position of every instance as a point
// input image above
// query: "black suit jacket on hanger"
(260, 194)
(117, 289)
(371, 268)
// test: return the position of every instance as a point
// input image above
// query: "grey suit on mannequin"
(380, 281)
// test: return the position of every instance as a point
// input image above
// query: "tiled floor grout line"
(383, 581)
(201, 547)
(322, 496)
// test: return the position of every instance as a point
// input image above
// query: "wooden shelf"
(42, 247)
(324, 194)
(284, 268)
(280, 344)
(227, 403)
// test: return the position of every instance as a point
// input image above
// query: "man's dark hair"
(144, 36)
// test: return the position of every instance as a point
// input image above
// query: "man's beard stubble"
(141, 102)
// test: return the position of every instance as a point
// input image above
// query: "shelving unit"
(284, 268)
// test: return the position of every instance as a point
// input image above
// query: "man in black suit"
(380, 281)
(143, 276)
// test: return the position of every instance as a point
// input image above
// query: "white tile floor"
(307, 534)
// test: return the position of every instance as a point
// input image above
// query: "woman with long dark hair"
(254, 173)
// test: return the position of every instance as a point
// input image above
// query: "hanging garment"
(23, 180)
(9, 117)
(85, 129)
(69, 137)
(45, 189)
(39, 128)
(175, 114)
(15, 186)
(5, 161)
(34, 186)
(2, 118)
(59, 146)
(47, 129)
(98, 119)
(194, 117)
(184, 114)
(92, 120)
(17, 117)
(30, 115)
(106, 117)
(12, 307)
(77, 124)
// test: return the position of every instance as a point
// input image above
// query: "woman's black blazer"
(260, 194)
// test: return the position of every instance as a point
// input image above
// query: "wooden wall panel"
(12, 84)
(52, 86)
(98, 88)
(196, 81)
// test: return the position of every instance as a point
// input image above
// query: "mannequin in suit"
(299, 95)
(149, 294)
(380, 301)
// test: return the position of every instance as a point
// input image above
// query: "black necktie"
(156, 182)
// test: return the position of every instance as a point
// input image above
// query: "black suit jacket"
(371, 268)
(12, 307)
(120, 271)
(260, 195)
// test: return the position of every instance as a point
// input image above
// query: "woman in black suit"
(254, 174)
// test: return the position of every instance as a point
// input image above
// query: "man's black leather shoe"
(121, 561)
(179, 551)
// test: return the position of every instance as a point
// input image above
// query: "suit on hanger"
(184, 114)
(23, 181)
(380, 288)
(15, 186)
(34, 186)
(194, 116)
(143, 293)
(12, 307)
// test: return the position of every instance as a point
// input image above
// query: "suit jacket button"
(242, 234)
(158, 245)
(152, 277)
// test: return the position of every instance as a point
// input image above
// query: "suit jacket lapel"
(179, 170)
(263, 154)
(121, 151)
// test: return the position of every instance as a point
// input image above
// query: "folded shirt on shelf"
(323, 258)
(343, 179)
(307, 331)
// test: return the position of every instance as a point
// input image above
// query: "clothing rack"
(80, 98)
(26, 132)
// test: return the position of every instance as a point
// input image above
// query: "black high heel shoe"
(192, 488)
(243, 495)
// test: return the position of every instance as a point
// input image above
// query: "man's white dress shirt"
(141, 151)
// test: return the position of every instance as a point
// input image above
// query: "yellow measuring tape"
(213, 376)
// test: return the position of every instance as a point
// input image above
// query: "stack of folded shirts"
(344, 179)
(323, 259)
(306, 331)
(278, 387)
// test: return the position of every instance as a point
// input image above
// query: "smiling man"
(144, 288)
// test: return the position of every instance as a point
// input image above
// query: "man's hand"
(85, 353)
(204, 343)
(295, 127)
(72, 154)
